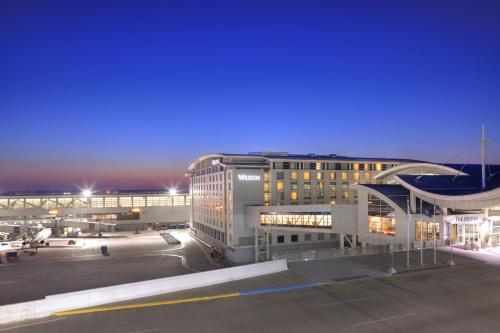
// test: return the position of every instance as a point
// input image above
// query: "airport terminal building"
(251, 205)
(70, 214)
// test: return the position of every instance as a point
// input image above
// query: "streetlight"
(86, 193)
(172, 191)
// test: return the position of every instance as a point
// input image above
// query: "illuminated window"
(158, 201)
(332, 175)
(80, 203)
(97, 202)
(333, 202)
(344, 176)
(280, 186)
(266, 187)
(321, 186)
(382, 225)
(298, 219)
(294, 175)
(293, 195)
(125, 201)
(356, 166)
(4, 203)
(294, 186)
(319, 175)
(368, 176)
(266, 176)
(111, 202)
(307, 186)
(378, 167)
(345, 195)
(48, 203)
(139, 201)
(366, 166)
(356, 177)
(30, 203)
(307, 175)
(318, 166)
(177, 200)
(380, 217)
(428, 233)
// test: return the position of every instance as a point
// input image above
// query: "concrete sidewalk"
(372, 266)
(487, 255)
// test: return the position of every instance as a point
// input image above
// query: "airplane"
(12, 247)
(38, 240)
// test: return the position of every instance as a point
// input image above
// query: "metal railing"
(329, 253)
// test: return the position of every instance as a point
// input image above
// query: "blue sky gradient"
(126, 93)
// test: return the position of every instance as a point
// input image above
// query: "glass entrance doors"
(470, 236)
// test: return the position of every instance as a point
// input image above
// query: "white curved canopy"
(419, 169)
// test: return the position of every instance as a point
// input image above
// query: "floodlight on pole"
(87, 193)
(172, 191)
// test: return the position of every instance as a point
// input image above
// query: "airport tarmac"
(459, 299)
(99, 262)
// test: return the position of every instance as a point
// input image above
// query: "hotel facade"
(242, 203)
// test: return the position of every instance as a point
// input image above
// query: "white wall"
(94, 297)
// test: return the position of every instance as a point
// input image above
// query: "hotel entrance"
(471, 231)
(470, 236)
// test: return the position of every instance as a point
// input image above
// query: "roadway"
(127, 258)
(465, 298)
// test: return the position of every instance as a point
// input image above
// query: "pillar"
(256, 238)
(341, 241)
(268, 257)
(353, 244)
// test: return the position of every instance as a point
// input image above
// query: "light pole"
(408, 232)
(434, 232)
(421, 234)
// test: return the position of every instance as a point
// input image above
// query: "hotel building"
(253, 205)
(236, 196)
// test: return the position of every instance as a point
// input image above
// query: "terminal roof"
(452, 185)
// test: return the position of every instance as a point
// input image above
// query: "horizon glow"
(125, 95)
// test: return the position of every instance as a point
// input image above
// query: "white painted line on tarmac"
(383, 319)
(489, 279)
(31, 324)
(346, 302)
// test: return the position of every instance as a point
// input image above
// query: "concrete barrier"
(94, 297)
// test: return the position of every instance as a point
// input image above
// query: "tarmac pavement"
(465, 298)
(126, 259)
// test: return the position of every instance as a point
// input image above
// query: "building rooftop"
(454, 185)
(315, 157)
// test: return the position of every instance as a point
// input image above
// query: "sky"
(125, 94)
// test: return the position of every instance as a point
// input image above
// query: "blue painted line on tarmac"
(278, 289)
